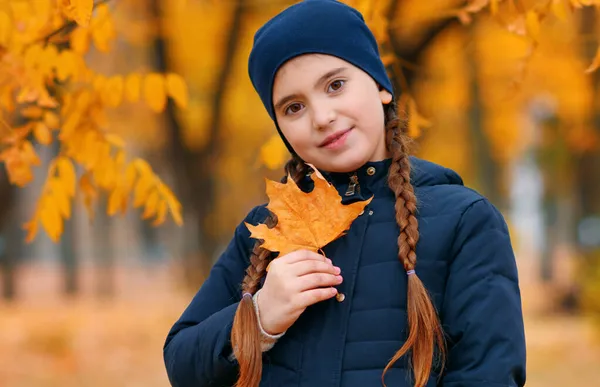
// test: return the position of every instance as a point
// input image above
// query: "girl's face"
(330, 112)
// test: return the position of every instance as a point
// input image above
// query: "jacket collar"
(361, 184)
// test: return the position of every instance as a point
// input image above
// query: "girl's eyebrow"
(322, 79)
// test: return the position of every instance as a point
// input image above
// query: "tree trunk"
(487, 169)
(103, 253)
(195, 178)
(8, 254)
(69, 261)
(413, 50)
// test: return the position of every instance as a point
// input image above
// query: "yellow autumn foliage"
(50, 85)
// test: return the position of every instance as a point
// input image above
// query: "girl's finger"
(311, 266)
(302, 255)
(318, 280)
(312, 296)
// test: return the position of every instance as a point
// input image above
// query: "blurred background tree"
(503, 91)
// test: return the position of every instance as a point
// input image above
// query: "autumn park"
(133, 143)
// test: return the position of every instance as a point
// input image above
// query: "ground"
(49, 341)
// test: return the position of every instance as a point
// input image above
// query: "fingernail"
(337, 270)
(339, 278)
(329, 261)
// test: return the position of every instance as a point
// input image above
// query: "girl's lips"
(337, 140)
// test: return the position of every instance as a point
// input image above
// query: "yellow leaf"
(169, 196)
(99, 82)
(29, 155)
(51, 120)
(161, 213)
(67, 65)
(19, 173)
(151, 205)
(144, 168)
(274, 153)
(115, 140)
(103, 29)
(172, 203)
(305, 220)
(113, 91)
(90, 149)
(31, 227)
(176, 214)
(42, 133)
(32, 111)
(120, 160)
(50, 219)
(559, 9)
(66, 170)
(532, 21)
(114, 201)
(177, 89)
(133, 84)
(46, 101)
(105, 174)
(6, 99)
(154, 92)
(89, 193)
(32, 55)
(82, 11)
(141, 191)
(6, 28)
(70, 125)
(388, 59)
(60, 197)
(48, 59)
(80, 40)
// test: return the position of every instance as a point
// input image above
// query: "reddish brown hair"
(425, 334)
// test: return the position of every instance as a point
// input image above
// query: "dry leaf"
(82, 11)
(155, 93)
(177, 89)
(133, 84)
(305, 220)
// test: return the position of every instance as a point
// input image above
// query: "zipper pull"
(353, 186)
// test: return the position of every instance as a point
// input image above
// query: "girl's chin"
(344, 163)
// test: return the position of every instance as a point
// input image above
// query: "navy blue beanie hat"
(317, 27)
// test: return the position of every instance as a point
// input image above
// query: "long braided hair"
(425, 333)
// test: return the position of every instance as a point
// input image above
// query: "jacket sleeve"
(197, 347)
(481, 314)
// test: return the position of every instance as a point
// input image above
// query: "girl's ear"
(385, 96)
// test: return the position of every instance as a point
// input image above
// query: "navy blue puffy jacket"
(464, 258)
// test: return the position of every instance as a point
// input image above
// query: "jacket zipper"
(353, 186)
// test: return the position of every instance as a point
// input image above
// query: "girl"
(368, 314)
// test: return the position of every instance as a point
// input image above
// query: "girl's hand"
(294, 282)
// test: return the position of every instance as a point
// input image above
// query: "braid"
(399, 181)
(245, 336)
(425, 331)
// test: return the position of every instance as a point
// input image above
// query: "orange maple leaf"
(305, 220)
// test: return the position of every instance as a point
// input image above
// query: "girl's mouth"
(335, 140)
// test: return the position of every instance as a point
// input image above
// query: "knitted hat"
(318, 27)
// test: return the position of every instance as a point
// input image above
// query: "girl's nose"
(323, 116)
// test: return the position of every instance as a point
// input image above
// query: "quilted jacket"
(464, 258)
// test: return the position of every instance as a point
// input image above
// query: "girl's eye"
(293, 108)
(336, 85)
